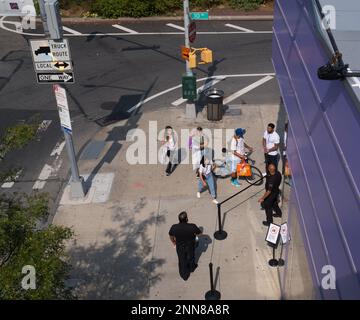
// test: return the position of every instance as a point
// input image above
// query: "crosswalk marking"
(199, 90)
(44, 125)
(10, 184)
(171, 25)
(238, 28)
(48, 171)
(124, 28)
(58, 149)
(43, 176)
(247, 89)
(71, 31)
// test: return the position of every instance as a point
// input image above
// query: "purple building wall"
(323, 149)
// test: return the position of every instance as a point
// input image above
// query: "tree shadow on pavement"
(120, 265)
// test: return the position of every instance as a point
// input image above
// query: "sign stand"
(285, 237)
(273, 262)
(272, 237)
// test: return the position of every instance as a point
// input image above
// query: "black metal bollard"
(220, 234)
(212, 294)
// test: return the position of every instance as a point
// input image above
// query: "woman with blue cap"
(237, 148)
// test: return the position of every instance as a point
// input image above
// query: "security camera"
(332, 72)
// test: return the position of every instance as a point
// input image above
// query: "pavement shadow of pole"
(108, 158)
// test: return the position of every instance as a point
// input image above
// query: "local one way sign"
(62, 77)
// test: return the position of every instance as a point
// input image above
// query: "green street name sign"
(189, 88)
(199, 15)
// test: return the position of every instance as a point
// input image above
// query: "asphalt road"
(115, 69)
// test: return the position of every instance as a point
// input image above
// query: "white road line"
(10, 184)
(171, 25)
(78, 34)
(48, 171)
(72, 31)
(58, 149)
(138, 105)
(124, 29)
(44, 125)
(199, 90)
(43, 176)
(247, 89)
(238, 28)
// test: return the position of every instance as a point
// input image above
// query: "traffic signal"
(192, 59)
(206, 56)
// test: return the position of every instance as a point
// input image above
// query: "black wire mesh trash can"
(215, 107)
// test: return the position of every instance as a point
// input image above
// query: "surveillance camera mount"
(335, 69)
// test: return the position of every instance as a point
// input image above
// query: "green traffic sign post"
(199, 15)
(189, 87)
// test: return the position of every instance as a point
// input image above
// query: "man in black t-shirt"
(183, 235)
(269, 201)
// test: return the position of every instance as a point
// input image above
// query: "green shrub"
(206, 4)
(121, 8)
(246, 4)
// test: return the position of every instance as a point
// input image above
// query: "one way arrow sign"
(61, 77)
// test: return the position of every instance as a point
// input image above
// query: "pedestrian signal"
(192, 60)
(206, 56)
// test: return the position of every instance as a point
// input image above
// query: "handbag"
(287, 172)
(243, 169)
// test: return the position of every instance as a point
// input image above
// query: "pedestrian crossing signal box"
(189, 88)
(206, 56)
(192, 60)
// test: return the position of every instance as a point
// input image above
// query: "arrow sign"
(60, 65)
(61, 77)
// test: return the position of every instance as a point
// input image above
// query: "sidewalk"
(122, 249)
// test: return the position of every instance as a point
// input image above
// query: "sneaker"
(198, 195)
(266, 224)
(235, 183)
(215, 201)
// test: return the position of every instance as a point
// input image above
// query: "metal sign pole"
(54, 20)
(190, 105)
(76, 183)
(44, 18)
